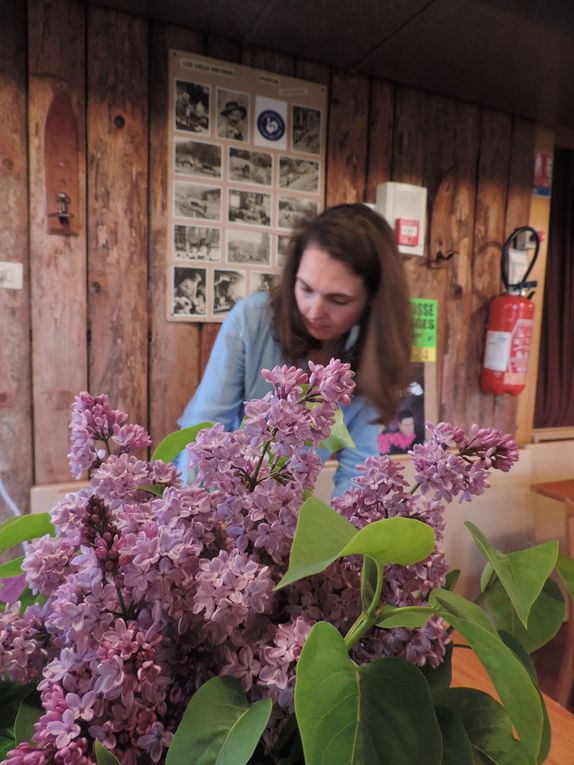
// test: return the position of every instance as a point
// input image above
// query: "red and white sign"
(542, 179)
(407, 230)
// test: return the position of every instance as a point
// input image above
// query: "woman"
(343, 293)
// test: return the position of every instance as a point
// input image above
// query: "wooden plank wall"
(95, 302)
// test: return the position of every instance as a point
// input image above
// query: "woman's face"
(330, 297)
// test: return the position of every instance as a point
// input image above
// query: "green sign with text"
(425, 313)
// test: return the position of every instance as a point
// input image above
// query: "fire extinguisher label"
(520, 347)
(497, 350)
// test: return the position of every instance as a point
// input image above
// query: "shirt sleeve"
(358, 418)
(221, 391)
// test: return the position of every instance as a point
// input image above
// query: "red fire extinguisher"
(510, 324)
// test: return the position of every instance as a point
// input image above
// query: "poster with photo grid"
(246, 160)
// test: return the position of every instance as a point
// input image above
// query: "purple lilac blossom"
(148, 597)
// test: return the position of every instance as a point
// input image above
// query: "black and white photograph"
(299, 174)
(282, 244)
(189, 292)
(192, 200)
(306, 127)
(250, 207)
(197, 158)
(292, 209)
(232, 115)
(196, 243)
(261, 281)
(192, 107)
(248, 246)
(250, 166)
(228, 287)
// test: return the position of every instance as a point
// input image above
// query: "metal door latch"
(62, 214)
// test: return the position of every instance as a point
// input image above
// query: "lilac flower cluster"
(146, 597)
(450, 464)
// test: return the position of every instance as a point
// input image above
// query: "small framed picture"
(251, 207)
(261, 281)
(196, 243)
(292, 209)
(192, 106)
(306, 130)
(250, 166)
(232, 115)
(229, 286)
(299, 174)
(197, 158)
(248, 246)
(189, 291)
(194, 200)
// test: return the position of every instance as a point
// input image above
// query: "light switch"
(11, 275)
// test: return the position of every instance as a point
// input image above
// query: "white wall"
(509, 514)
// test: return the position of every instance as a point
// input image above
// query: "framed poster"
(246, 161)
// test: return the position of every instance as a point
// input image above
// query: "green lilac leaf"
(322, 536)
(565, 568)
(157, 489)
(457, 749)
(369, 578)
(339, 438)
(104, 756)
(546, 615)
(487, 725)
(522, 573)
(174, 443)
(219, 726)
(11, 696)
(29, 712)
(319, 536)
(351, 715)
(452, 578)
(440, 677)
(511, 679)
(11, 568)
(405, 616)
(25, 527)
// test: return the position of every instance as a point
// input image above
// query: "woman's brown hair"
(362, 240)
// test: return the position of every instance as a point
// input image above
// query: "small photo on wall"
(306, 130)
(261, 281)
(228, 287)
(248, 246)
(250, 166)
(282, 244)
(299, 174)
(192, 101)
(193, 200)
(196, 243)
(250, 207)
(292, 209)
(189, 291)
(197, 158)
(232, 115)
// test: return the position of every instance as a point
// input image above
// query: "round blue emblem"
(271, 125)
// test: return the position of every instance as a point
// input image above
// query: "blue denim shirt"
(244, 346)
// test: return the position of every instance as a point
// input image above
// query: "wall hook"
(62, 214)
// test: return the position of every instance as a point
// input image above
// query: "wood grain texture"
(489, 232)
(381, 124)
(117, 208)
(347, 138)
(174, 365)
(458, 236)
(16, 455)
(56, 61)
(517, 214)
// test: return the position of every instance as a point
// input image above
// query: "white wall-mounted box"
(404, 206)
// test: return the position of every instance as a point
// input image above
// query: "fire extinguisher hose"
(524, 283)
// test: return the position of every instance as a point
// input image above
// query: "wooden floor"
(547, 663)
